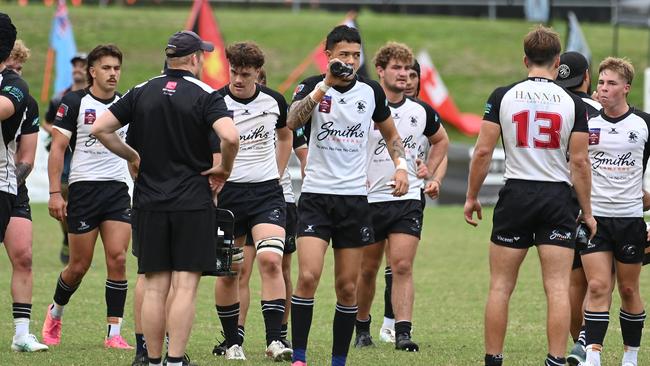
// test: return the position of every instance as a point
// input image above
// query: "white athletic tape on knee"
(272, 244)
(238, 258)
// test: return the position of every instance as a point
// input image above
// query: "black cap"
(80, 56)
(572, 69)
(186, 42)
(7, 36)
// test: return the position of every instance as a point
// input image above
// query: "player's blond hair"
(20, 53)
(393, 51)
(621, 66)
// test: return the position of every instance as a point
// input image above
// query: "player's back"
(537, 117)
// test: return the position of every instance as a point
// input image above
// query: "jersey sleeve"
(646, 147)
(382, 111)
(215, 109)
(17, 91)
(282, 106)
(124, 108)
(581, 115)
(305, 87)
(67, 112)
(433, 120)
(493, 105)
(299, 138)
(30, 124)
(52, 108)
(215, 142)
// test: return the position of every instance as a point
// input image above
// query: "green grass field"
(451, 285)
(473, 55)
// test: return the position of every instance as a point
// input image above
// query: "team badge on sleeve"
(61, 111)
(298, 89)
(325, 105)
(594, 136)
(90, 115)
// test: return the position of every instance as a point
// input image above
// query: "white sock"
(114, 329)
(56, 311)
(22, 326)
(630, 354)
(388, 323)
(593, 354)
(156, 364)
(175, 363)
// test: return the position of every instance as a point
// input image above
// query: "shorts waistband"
(537, 182)
(253, 184)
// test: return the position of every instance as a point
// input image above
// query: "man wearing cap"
(574, 75)
(170, 117)
(78, 82)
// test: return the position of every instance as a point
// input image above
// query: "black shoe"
(140, 359)
(186, 361)
(403, 342)
(286, 342)
(221, 348)
(64, 254)
(363, 339)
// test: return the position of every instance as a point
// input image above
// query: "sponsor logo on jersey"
(298, 89)
(14, 92)
(61, 111)
(350, 132)
(246, 113)
(361, 106)
(613, 131)
(507, 240)
(409, 144)
(537, 97)
(90, 115)
(488, 108)
(325, 105)
(594, 136)
(557, 235)
(622, 160)
(342, 101)
(396, 116)
(170, 88)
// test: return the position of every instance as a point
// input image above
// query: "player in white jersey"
(539, 123)
(619, 146)
(98, 199)
(575, 75)
(339, 109)
(396, 220)
(254, 195)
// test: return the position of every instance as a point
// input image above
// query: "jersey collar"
(617, 119)
(104, 101)
(243, 100)
(343, 89)
(540, 79)
(398, 104)
(177, 73)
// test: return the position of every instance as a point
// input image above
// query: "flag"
(537, 10)
(575, 38)
(63, 45)
(216, 71)
(434, 92)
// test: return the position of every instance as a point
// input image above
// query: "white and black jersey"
(299, 142)
(593, 107)
(15, 89)
(91, 161)
(256, 118)
(338, 139)
(413, 119)
(537, 118)
(618, 149)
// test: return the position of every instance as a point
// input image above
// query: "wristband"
(54, 192)
(401, 164)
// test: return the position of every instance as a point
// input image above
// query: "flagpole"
(47, 75)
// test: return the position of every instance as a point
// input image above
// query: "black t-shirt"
(170, 118)
(30, 125)
(16, 90)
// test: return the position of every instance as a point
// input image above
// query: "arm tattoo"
(397, 149)
(300, 111)
(22, 171)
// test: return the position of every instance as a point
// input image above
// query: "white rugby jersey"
(618, 149)
(91, 161)
(16, 90)
(338, 138)
(256, 118)
(537, 118)
(413, 119)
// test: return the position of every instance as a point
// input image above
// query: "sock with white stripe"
(22, 313)
(242, 333)
(62, 296)
(115, 296)
(581, 337)
(273, 311)
(302, 311)
(554, 361)
(229, 315)
(284, 330)
(596, 323)
(344, 320)
(631, 327)
(388, 304)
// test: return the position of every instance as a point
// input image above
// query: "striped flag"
(215, 65)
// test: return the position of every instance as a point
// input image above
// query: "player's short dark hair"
(542, 45)
(393, 51)
(342, 33)
(7, 36)
(97, 53)
(245, 54)
(621, 66)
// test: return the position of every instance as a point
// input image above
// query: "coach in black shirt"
(170, 119)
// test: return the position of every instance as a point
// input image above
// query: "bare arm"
(25, 156)
(300, 111)
(283, 148)
(479, 167)
(104, 129)
(6, 108)
(56, 204)
(47, 126)
(396, 151)
(580, 167)
(438, 151)
(229, 136)
(646, 200)
(301, 154)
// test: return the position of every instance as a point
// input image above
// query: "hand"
(591, 224)
(432, 188)
(472, 205)
(332, 80)
(423, 171)
(401, 180)
(57, 206)
(134, 168)
(217, 177)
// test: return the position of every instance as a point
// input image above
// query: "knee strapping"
(272, 244)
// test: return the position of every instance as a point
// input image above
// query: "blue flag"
(62, 42)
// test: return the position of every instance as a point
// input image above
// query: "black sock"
(284, 331)
(273, 311)
(493, 360)
(342, 330)
(228, 315)
(554, 361)
(63, 292)
(388, 304)
(632, 327)
(302, 311)
(171, 359)
(140, 344)
(363, 325)
(155, 361)
(596, 323)
(21, 310)
(402, 327)
(242, 333)
(581, 337)
(115, 295)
